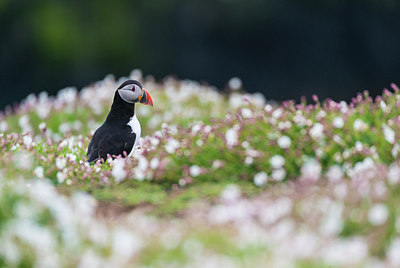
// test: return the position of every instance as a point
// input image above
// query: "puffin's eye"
(136, 88)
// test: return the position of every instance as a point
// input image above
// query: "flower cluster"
(293, 223)
(328, 175)
(310, 142)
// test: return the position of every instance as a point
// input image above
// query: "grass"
(160, 200)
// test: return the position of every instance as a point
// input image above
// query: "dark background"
(282, 48)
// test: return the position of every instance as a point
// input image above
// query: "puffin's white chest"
(135, 126)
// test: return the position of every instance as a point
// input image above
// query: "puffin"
(120, 132)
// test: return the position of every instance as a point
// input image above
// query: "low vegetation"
(224, 180)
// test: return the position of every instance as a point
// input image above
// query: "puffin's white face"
(130, 93)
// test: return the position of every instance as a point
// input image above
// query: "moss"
(312, 264)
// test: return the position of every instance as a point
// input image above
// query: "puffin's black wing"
(116, 144)
(109, 142)
(93, 151)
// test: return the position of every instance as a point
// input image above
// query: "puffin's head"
(132, 91)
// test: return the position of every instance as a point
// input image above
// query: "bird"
(120, 132)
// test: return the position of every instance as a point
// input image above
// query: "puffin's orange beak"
(146, 98)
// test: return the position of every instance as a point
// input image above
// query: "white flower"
(139, 174)
(199, 143)
(61, 176)
(246, 113)
(284, 142)
(15, 147)
(182, 182)
(338, 122)
(319, 152)
(394, 174)
(359, 125)
(277, 113)
(142, 163)
(278, 174)
(275, 210)
(384, 107)
(27, 140)
(3, 126)
(311, 170)
(277, 161)
(158, 134)
(253, 153)
(284, 125)
(231, 137)
(345, 252)
(90, 259)
(378, 214)
(42, 126)
(39, 172)
(343, 107)
(395, 150)
(332, 224)
(300, 120)
(217, 164)
(334, 173)
(235, 83)
(358, 146)
(256, 99)
(321, 114)
(337, 157)
(23, 160)
(260, 178)
(125, 243)
(248, 160)
(67, 94)
(154, 141)
(317, 131)
(393, 253)
(65, 127)
(231, 192)
(196, 128)
(340, 191)
(337, 139)
(236, 100)
(172, 145)
(118, 170)
(194, 171)
(154, 163)
(268, 108)
(71, 157)
(380, 189)
(61, 162)
(389, 134)
(23, 122)
(245, 144)
(346, 154)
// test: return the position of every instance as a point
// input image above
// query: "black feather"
(129, 82)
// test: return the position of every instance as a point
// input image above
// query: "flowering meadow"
(219, 180)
